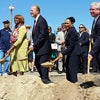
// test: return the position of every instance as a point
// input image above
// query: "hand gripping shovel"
(3, 59)
(25, 58)
(50, 64)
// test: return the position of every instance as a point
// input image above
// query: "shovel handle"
(56, 59)
(28, 51)
(5, 57)
(88, 69)
(89, 46)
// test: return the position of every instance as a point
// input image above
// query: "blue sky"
(54, 11)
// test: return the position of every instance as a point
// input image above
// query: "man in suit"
(95, 12)
(84, 45)
(41, 43)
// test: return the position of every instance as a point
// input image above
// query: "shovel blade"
(48, 64)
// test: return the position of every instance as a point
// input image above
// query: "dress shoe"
(84, 72)
(21, 73)
(64, 71)
(9, 73)
(15, 73)
(46, 81)
(59, 72)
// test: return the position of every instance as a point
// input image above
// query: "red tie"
(34, 25)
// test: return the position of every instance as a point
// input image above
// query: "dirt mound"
(24, 88)
(66, 90)
(30, 87)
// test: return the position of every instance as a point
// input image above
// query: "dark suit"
(72, 52)
(96, 36)
(42, 47)
(52, 37)
(84, 46)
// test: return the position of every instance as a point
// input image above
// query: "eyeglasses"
(94, 9)
(81, 27)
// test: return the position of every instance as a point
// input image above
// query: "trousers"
(5, 65)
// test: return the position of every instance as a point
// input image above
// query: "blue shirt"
(5, 39)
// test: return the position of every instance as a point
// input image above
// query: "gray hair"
(37, 8)
(97, 4)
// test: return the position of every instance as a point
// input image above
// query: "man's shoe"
(64, 71)
(59, 72)
(46, 81)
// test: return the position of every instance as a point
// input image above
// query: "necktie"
(34, 24)
(93, 24)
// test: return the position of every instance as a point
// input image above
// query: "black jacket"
(84, 40)
(72, 42)
(96, 37)
(41, 37)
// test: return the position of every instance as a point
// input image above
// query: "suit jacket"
(72, 42)
(96, 37)
(52, 38)
(41, 37)
(96, 30)
(84, 40)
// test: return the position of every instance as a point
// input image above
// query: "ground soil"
(30, 87)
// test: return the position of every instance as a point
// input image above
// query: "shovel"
(50, 64)
(88, 76)
(25, 58)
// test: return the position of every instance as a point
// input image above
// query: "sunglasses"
(81, 27)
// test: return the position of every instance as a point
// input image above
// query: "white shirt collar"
(96, 18)
(37, 17)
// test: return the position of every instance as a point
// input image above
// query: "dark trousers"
(43, 72)
(84, 61)
(99, 62)
(72, 64)
(95, 64)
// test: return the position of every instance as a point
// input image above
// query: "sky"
(54, 11)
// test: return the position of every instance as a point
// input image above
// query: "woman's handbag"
(13, 39)
(14, 36)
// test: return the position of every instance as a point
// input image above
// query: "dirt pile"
(24, 88)
(30, 87)
(66, 90)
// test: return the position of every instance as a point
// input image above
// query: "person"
(31, 55)
(53, 46)
(52, 41)
(60, 40)
(41, 43)
(63, 47)
(72, 50)
(95, 12)
(84, 45)
(5, 45)
(19, 47)
(51, 35)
